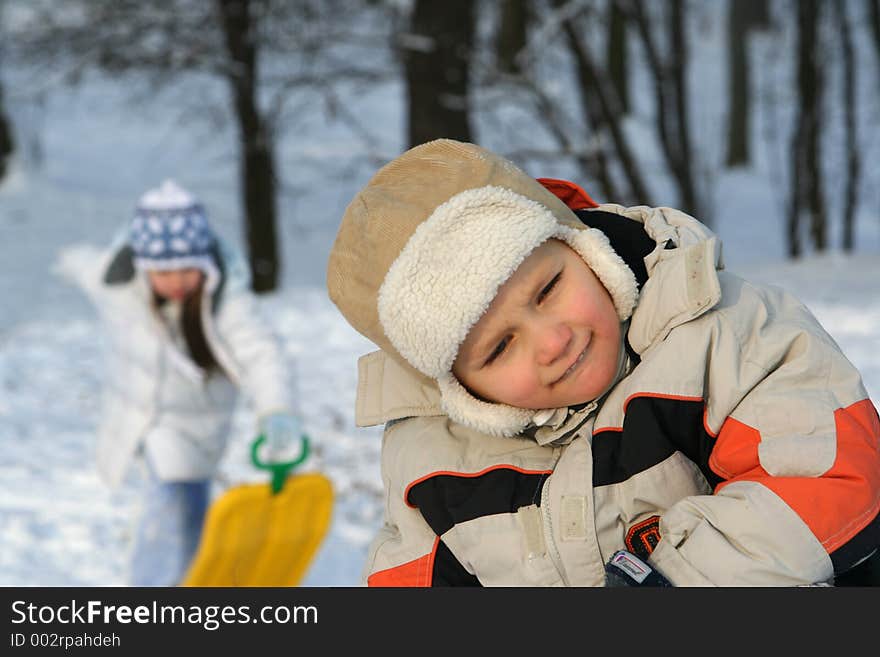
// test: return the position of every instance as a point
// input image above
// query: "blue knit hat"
(170, 230)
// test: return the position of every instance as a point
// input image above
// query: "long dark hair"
(193, 331)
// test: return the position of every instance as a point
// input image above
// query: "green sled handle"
(279, 469)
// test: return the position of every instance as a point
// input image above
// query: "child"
(186, 336)
(559, 385)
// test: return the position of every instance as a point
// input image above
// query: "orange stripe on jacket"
(736, 451)
(835, 506)
(418, 572)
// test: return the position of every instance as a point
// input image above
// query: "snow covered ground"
(59, 526)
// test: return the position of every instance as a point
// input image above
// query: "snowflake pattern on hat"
(170, 230)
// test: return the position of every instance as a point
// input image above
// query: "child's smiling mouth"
(574, 366)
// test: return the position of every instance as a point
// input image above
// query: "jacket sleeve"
(258, 358)
(793, 442)
(83, 265)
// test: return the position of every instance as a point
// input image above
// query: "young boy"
(559, 385)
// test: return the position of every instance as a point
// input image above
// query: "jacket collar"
(390, 390)
(682, 285)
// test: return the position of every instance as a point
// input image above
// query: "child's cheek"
(520, 385)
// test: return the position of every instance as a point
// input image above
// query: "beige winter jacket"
(741, 449)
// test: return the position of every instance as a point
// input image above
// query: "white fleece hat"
(435, 283)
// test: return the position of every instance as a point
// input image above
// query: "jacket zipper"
(548, 530)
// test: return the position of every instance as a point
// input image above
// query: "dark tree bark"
(682, 122)
(758, 14)
(512, 34)
(257, 164)
(617, 60)
(7, 145)
(806, 189)
(874, 19)
(848, 99)
(739, 92)
(437, 53)
(743, 17)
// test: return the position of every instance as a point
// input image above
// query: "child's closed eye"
(547, 289)
(499, 349)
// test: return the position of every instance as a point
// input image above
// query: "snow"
(60, 525)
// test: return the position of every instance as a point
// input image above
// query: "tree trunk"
(684, 169)
(512, 35)
(670, 90)
(7, 145)
(617, 62)
(257, 162)
(739, 92)
(848, 99)
(757, 14)
(806, 188)
(437, 70)
(874, 18)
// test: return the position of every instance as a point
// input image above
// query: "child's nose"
(553, 341)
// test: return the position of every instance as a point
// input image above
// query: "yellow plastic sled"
(264, 535)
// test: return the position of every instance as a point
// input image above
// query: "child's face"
(175, 284)
(550, 338)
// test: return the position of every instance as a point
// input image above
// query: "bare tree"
(617, 52)
(602, 109)
(437, 51)
(738, 92)
(848, 100)
(873, 7)
(743, 17)
(7, 145)
(265, 51)
(257, 161)
(671, 95)
(512, 34)
(585, 121)
(806, 176)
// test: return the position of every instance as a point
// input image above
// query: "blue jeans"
(168, 531)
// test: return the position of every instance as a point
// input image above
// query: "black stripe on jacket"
(847, 555)
(627, 236)
(654, 428)
(448, 571)
(445, 500)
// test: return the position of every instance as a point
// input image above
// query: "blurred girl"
(186, 338)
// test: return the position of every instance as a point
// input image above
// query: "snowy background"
(87, 154)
